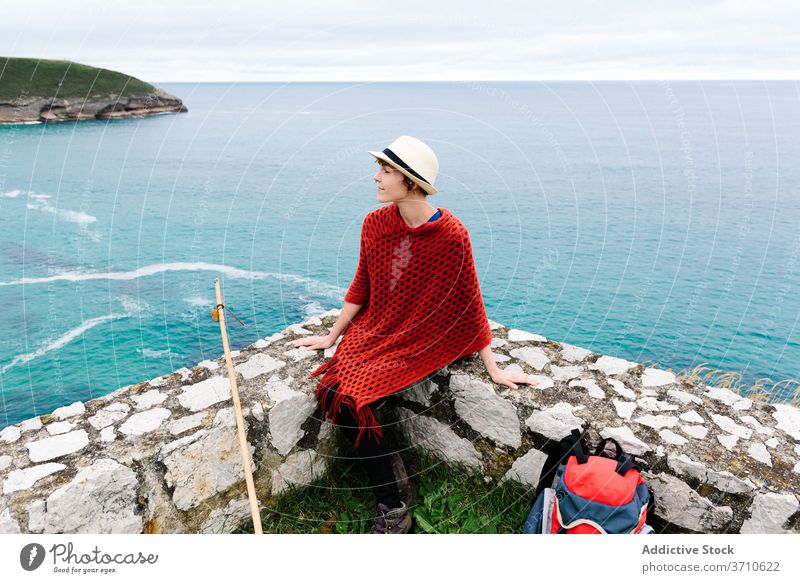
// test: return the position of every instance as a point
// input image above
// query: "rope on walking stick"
(215, 314)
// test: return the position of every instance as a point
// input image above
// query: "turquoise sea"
(653, 221)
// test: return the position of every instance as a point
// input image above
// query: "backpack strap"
(626, 462)
(601, 447)
(572, 444)
(579, 448)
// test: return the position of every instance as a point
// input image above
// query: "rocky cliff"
(50, 109)
(162, 455)
(45, 90)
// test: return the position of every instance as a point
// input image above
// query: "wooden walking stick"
(219, 314)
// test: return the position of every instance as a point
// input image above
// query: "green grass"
(448, 501)
(48, 78)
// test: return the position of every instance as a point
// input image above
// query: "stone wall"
(162, 455)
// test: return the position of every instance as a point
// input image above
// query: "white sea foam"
(131, 306)
(198, 301)
(311, 285)
(78, 217)
(312, 307)
(314, 286)
(61, 341)
(134, 307)
(38, 202)
(150, 353)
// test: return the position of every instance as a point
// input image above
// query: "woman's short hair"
(409, 184)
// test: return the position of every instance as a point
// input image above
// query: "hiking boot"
(404, 485)
(392, 520)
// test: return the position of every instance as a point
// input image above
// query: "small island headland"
(41, 90)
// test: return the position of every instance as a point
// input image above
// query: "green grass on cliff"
(449, 499)
(48, 78)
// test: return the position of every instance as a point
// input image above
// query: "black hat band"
(397, 160)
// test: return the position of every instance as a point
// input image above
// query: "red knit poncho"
(422, 310)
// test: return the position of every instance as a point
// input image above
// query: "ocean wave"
(311, 307)
(147, 270)
(198, 301)
(21, 123)
(135, 307)
(312, 286)
(131, 306)
(38, 202)
(150, 353)
(78, 217)
(61, 341)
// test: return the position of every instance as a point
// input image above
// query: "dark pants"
(374, 453)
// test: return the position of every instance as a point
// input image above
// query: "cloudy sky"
(242, 40)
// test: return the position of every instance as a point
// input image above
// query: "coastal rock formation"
(162, 455)
(48, 109)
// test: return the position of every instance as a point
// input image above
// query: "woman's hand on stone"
(315, 342)
(510, 378)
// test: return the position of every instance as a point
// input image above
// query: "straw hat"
(413, 158)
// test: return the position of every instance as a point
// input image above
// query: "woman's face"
(389, 184)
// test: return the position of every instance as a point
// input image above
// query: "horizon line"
(754, 80)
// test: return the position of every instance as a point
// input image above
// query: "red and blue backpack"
(581, 493)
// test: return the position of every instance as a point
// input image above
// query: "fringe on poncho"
(422, 310)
